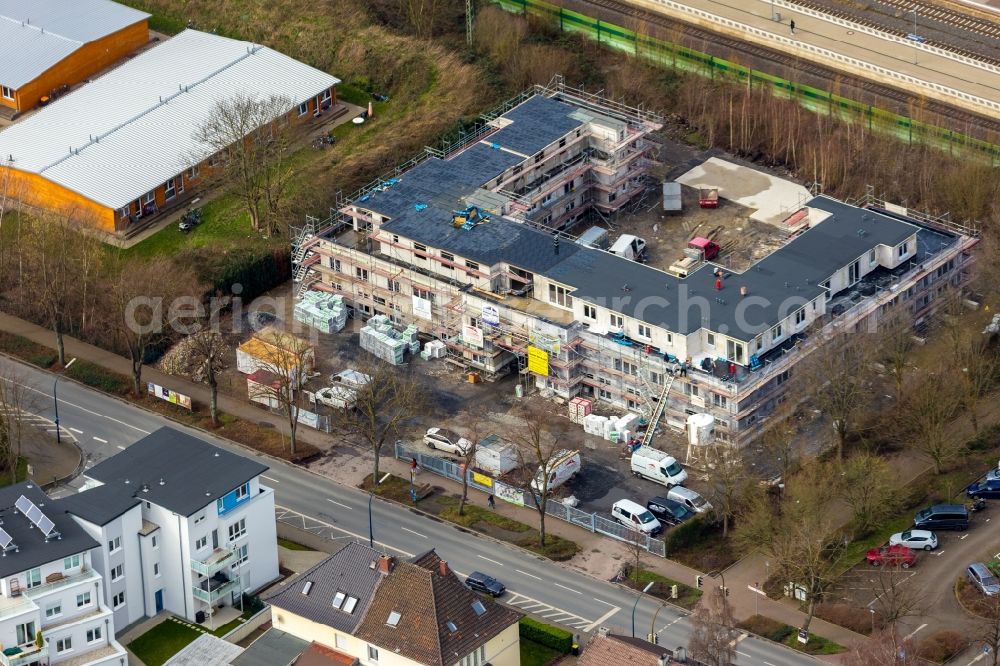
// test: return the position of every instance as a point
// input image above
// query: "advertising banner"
(491, 315)
(482, 479)
(508, 493)
(472, 336)
(421, 308)
(538, 361)
(172, 397)
(549, 343)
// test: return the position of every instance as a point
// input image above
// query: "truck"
(338, 397)
(708, 197)
(658, 466)
(629, 246)
(594, 237)
(563, 466)
(672, 201)
(698, 251)
(495, 456)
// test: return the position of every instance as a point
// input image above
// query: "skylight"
(451, 626)
(350, 604)
(308, 586)
(338, 599)
(478, 607)
(393, 619)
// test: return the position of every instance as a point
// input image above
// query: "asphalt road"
(104, 425)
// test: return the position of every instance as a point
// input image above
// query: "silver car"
(915, 539)
(983, 579)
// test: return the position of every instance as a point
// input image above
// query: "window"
(242, 555)
(170, 189)
(590, 312)
(394, 286)
(540, 156)
(338, 599)
(630, 368)
(372, 653)
(64, 644)
(361, 274)
(776, 333)
(71, 562)
(83, 599)
(471, 265)
(193, 172)
(350, 604)
(8, 93)
(424, 294)
(340, 641)
(156, 568)
(800, 317)
(94, 635)
(616, 321)
(710, 339)
(118, 600)
(612, 197)
(560, 296)
(718, 400)
(902, 250)
(26, 633)
(419, 247)
(603, 394)
(150, 198)
(645, 331)
(303, 108)
(201, 543)
(53, 611)
(237, 529)
(154, 542)
(34, 578)
(115, 545)
(117, 572)
(871, 257)
(199, 519)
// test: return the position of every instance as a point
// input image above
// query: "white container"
(495, 456)
(701, 429)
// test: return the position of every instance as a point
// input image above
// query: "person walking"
(492, 502)
(791, 24)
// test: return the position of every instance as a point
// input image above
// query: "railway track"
(621, 12)
(948, 16)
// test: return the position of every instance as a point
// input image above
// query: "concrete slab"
(206, 650)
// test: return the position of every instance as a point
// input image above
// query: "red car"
(892, 556)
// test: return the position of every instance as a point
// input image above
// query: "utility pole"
(915, 42)
(468, 22)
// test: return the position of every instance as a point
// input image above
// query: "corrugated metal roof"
(37, 34)
(144, 115)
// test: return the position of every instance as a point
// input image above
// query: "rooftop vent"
(162, 482)
(393, 620)
(308, 586)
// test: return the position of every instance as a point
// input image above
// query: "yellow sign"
(538, 361)
(482, 479)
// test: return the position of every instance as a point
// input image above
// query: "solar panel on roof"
(5, 539)
(23, 504)
(34, 514)
(45, 524)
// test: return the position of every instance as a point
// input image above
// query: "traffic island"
(787, 635)
(663, 587)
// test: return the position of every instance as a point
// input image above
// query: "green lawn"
(22, 472)
(162, 642)
(536, 654)
(291, 545)
(686, 596)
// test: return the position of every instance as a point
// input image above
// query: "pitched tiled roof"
(611, 649)
(429, 604)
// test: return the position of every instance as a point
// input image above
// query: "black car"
(480, 582)
(988, 489)
(668, 511)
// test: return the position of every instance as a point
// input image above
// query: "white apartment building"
(52, 603)
(183, 526)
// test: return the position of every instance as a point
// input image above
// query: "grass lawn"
(536, 654)
(291, 545)
(22, 472)
(686, 596)
(479, 518)
(162, 642)
(785, 634)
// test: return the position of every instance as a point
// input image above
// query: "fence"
(589, 521)
(673, 55)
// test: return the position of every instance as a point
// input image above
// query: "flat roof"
(35, 35)
(129, 131)
(99, 505)
(273, 648)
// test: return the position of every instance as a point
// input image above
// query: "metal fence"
(589, 521)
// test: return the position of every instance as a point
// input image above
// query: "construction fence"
(592, 522)
(675, 56)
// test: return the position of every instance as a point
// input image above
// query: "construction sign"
(482, 479)
(538, 361)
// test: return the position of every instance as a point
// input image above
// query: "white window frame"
(156, 569)
(645, 331)
(590, 312)
(94, 634)
(243, 492)
(170, 189)
(117, 571)
(240, 531)
(83, 599)
(71, 562)
(304, 108)
(64, 644)
(33, 577)
(800, 317)
(373, 654)
(776, 333)
(201, 542)
(115, 603)
(7, 92)
(616, 321)
(115, 545)
(154, 542)
(55, 610)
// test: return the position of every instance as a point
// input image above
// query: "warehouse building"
(48, 45)
(123, 148)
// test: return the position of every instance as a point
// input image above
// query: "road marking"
(562, 586)
(913, 633)
(269, 479)
(602, 619)
(121, 447)
(963, 537)
(102, 441)
(939, 553)
(338, 504)
(602, 601)
(767, 662)
(987, 520)
(412, 532)
(739, 639)
(976, 659)
(499, 564)
(296, 519)
(84, 409)
(525, 573)
(671, 623)
(536, 607)
(51, 430)
(387, 475)
(79, 432)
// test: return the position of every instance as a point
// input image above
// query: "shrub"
(941, 646)
(988, 438)
(546, 634)
(764, 626)
(100, 378)
(850, 617)
(687, 534)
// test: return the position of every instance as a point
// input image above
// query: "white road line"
(102, 441)
(739, 639)
(767, 662)
(525, 573)
(121, 447)
(963, 537)
(263, 476)
(499, 564)
(603, 618)
(89, 411)
(51, 430)
(549, 616)
(671, 623)
(387, 475)
(422, 536)
(562, 586)
(360, 537)
(939, 553)
(913, 633)
(338, 504)
(606, 603)
(79, 432)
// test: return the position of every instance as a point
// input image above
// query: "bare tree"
(988, 630)
(475, 430)
(287, 361)
(15, 401)
(391, 398)
(252, 139)
(538, 443)
(869, 488)
(931, 404)
(730, 482)
(782, 442)
(713, 630)
(886, 648)
(895, 601)
(896, 346)
(207, 350)
(978, 365)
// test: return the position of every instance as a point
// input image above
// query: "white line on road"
(51, 430)
(121, 447)
(564, 587)
(603, 618)
(913, 633)
(338, 503)
(387, 475)
(963, 537)
(767, 662)
(976, 659)
(739, 639)
(422, 536)
(606, 603)
(499, 564)
(89, 411)
(360, 537)
(525, 573)
(102, 441)
(671, 623)
(79, 432)
(939, 553)
(269, 479)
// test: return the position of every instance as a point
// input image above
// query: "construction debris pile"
(324, 312)
(614, 429)
(381, 339)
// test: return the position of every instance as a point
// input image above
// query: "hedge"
(256, 272)
(546, 634)
(687, 534)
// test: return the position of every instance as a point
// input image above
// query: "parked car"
(690, 499)
(915, 539)
(337, 397)
(986, 489)
(634, 515)
(983, 579)
(480, 582)
(446, 440)
(668, 511)
(942, 517)
(892, 556)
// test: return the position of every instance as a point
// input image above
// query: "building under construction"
(471, 244)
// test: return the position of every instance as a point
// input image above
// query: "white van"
(658, 466)
(563, 466)
(690, 499)
(629, 246)
(636, 516)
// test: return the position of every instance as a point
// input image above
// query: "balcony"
(211, 590)
(24, 655)
(53, 584)
(214, 563)
(14, 606)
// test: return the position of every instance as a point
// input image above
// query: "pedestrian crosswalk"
(547, 612)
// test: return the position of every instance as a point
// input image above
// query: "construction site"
(695, 312)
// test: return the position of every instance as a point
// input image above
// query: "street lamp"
(55, 399)
(713, 574)
(915, 44)
(371, 533)
(637, 599)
